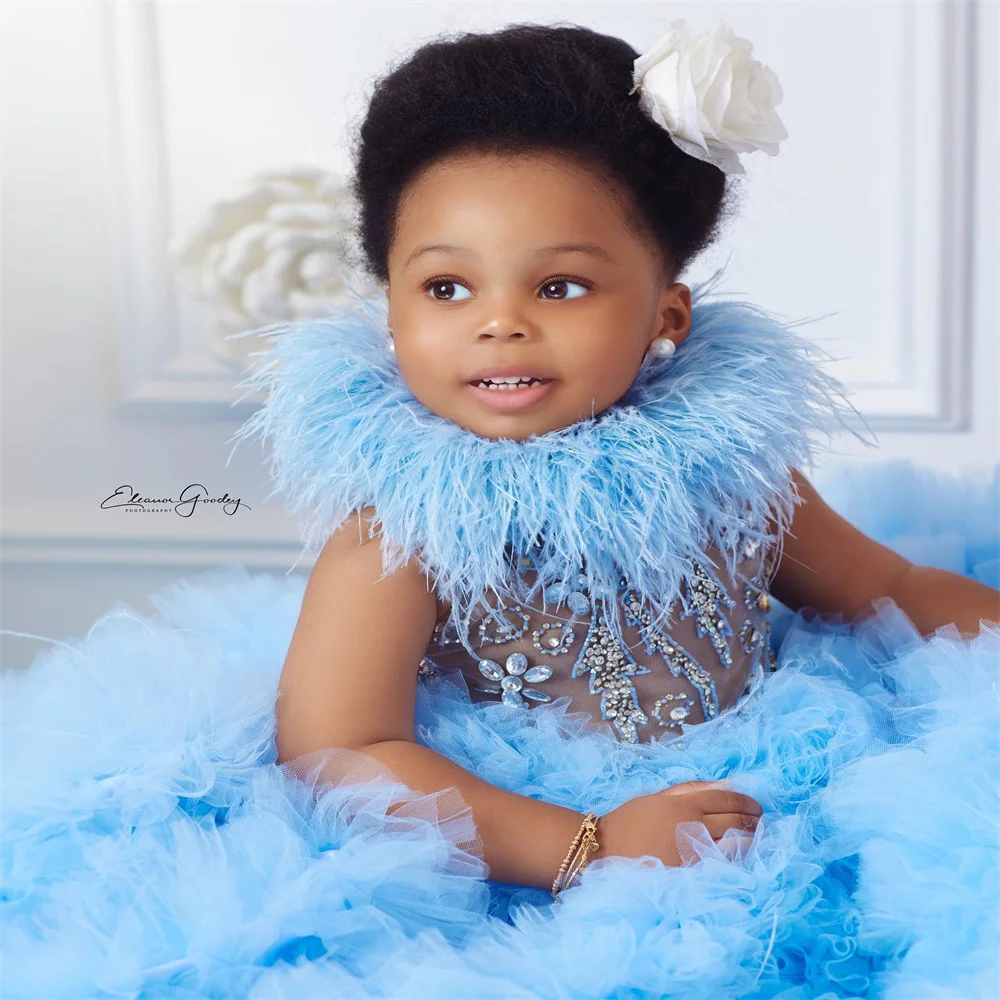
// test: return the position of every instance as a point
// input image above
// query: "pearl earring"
(662, 347)
(392, 344)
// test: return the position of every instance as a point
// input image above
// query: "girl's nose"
(512, 335)
(508, 325)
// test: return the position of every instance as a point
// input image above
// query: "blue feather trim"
(700, 447)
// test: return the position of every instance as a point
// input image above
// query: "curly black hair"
(530, 88)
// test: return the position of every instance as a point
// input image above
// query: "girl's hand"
(646, 825)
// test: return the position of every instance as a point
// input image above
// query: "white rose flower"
(273, 252)
(713, 99)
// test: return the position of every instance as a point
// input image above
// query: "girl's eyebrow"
(590, 249)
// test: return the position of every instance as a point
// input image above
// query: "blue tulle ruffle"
(151, 847)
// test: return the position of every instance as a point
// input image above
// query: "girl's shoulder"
(362, 528)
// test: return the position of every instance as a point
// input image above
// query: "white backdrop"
(123, 121)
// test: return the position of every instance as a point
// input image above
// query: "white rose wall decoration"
(274, 250)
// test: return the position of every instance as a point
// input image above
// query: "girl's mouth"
(507, 396)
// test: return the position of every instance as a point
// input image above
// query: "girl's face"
(522, 266)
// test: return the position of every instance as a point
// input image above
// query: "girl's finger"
(718, 824)
(684, 786)
(717, 800)
(696, 786)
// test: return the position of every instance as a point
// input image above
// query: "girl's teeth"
(508, 384)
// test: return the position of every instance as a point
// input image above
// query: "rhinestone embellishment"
(582, 629)
(561, 592)
(755, 631)
(750, 636)
(510, 685)
(553, 644)
(505, 631)
(705, 598)
(610, 667)
(680, 710)
(427, 668)
(678, 660)
(444, 635)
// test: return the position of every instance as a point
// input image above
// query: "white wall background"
(123, 121)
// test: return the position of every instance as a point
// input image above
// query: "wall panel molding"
(56, 537)
(157, 374)
(929, 263)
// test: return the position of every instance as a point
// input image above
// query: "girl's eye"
(556, 282)
(438, 284)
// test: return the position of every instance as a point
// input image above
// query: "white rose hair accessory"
(710, 95)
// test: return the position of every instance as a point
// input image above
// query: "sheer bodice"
(696, 667)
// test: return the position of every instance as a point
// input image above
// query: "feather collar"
(701, 446)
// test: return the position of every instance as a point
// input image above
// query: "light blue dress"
(151, 847)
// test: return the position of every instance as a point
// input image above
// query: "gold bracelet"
(577, 859)
(566, 861)
(556, 885)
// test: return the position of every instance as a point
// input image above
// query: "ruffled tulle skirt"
(151, 846)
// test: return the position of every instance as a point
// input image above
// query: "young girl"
(554, 489)
(586, 482)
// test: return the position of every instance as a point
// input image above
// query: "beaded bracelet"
(576, 860)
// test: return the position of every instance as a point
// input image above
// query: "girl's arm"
(349, 681)
(828, 564)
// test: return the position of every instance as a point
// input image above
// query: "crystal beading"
(608, 662)
(704, 598)
(506, 631)
(610, 667)
(553, 645)
(510, 685)
(681, 708)
(678, 660)
(755, 631)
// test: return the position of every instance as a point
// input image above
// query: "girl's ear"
(674, 313)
